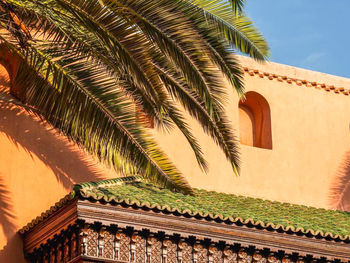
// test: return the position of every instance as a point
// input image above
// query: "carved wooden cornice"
(85, 231)
(299, 82)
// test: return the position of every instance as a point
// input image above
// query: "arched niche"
(255, 121)
(5, 80)
(11, 62)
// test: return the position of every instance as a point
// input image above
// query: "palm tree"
(89, 65)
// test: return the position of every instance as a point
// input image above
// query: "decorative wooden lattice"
(140, 249)
(171, 251)
(186, 252)
(156, 252)
(258, 258)
(124, 247)
(200, 253)
(244, 256)
(135, 247)
(217, 254)
(273, 259)
(108, 245)
(92, 241)
(230, 256)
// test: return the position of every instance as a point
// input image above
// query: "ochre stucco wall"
(37, 168)
(310, 160)
(309, 163)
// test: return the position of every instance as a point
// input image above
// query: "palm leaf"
(90, 65)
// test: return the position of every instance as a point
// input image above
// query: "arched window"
(255, 121)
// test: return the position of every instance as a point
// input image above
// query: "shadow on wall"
(340, 190)
(7, 214)
(68, 163)
(7, 219)
(12, 251)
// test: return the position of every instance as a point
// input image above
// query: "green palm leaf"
(89, 65)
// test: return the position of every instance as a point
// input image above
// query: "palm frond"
(97, 116)
(90, 65)
(235, 27)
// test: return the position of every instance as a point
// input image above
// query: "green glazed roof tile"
(307, 220)
(228, 207)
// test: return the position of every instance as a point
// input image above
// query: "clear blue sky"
(312, 34)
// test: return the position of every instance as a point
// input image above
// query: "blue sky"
(312, 34)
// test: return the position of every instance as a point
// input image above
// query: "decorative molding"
(299, 82)
(185, 250)
(57, 206)
(51, 226)
(110, 233)
(213, 230)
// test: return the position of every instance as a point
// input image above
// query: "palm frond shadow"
(12, 252)
(69, 165)
(35, 137)
(340, 189)
(7, 217)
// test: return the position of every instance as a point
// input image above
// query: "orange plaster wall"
(37, 168)
(310, 160)
(309, 163)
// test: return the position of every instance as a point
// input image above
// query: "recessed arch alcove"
(255, 121)
(11, 62)
(5, 82)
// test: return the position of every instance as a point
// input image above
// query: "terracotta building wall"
(37, 168)
(309, 162)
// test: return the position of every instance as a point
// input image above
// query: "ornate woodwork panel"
(126, 246)
(66, 249)
(59, 256)
(140, 249)
(171, 249)
(108, 245)
(46, 257)
(52, 255)
(272, 258)
(156, 250)
(244, 257)
(259, 258)
(201, 253)
(74, 245)
(215, 255)
(186, 252)
(287, 259)
(230, 256)
(92, 241)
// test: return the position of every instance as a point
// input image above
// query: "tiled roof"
(210, 205)
(47, 213)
